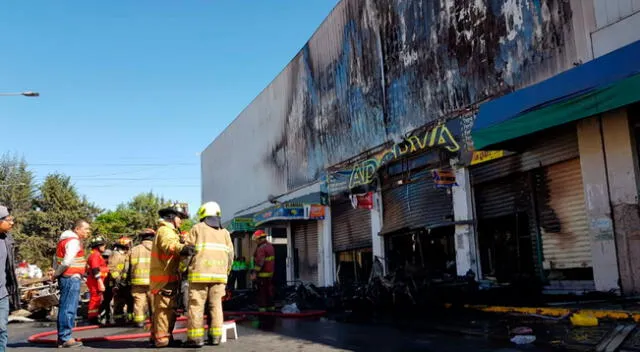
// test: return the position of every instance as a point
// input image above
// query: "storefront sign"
(316, 212)
(241, 225)
(440, 136)
(444, 178)
(486, 155)
(362, 201)
(290, 212)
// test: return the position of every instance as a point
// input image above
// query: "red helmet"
(258, 235)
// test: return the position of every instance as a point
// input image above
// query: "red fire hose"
(40, 338)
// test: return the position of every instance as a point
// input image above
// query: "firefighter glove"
(188, 250)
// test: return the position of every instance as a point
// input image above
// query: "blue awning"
(494, 116)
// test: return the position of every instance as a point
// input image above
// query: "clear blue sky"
(133, 91)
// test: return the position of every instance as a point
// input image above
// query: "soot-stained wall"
(373, 71)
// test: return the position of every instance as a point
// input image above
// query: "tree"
(56, 207)
(146, 206)
(16, 187)
(113, 224)
(129, 218)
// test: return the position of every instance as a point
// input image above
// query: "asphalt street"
(288, 335)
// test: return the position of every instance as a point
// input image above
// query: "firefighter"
(97, 274)
(164, 276)
(207, 274)
(118, 271)
(105, 307)
(262, 273)
(140, 261)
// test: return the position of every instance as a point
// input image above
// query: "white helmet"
(209, 209)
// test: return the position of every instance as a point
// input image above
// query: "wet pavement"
(274, 334)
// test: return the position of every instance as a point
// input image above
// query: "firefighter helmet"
(124, 241)
(147, 233)
(96, 241)
(258, 235)
(175, 210)
(209, 209)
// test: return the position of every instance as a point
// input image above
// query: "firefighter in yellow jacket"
(207, 274)
(164, 277)
(119, 271)
(140, 262)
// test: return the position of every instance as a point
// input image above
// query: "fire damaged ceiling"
(377, 69)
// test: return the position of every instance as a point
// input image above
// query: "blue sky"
(133, 91)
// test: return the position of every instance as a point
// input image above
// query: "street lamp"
(26, 94)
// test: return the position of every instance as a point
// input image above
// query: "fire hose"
(41, 338)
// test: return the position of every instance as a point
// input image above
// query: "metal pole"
(25, 94)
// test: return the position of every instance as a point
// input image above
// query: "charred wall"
(377, 69)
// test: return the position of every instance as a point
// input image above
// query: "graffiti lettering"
(438, 137)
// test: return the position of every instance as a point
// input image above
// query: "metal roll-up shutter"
(416, 204)
(563, 218)
(505, 196)
(350, 227)
(553, 147)
(305, 234)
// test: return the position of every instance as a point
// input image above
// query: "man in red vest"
(70, 268)
(97, 274)
(264, 261)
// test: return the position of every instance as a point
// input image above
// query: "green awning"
(614, 96)
(241, 224)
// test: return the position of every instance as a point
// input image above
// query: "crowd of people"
(130, 283)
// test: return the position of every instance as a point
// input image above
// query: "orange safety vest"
(78, 266)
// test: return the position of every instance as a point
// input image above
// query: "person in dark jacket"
(9, 298)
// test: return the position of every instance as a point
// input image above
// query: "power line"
(130, 185)
(74, 179)
(112, 164)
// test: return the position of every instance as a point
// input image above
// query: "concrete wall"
(373, 71)
(623, 192)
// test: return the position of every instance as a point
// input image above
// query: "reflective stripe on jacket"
(214, 254)
(119, 265)
(165, 257)
(79, 264)
(264, 259)
(140, 261)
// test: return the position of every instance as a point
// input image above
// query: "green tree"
(113, 224)
(146, 206)
(56, 207)
(131, 217)
(16, 187)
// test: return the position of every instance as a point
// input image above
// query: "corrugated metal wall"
(416, 204)
(305, 237)
(545, 149)
(350, 228)
(563, 218)
(375, 70)
(504, 196)
(509, 185)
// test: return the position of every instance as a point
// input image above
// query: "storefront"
(530, 211)
(418, 216)
(303, 222)
(306, 245)
(351, 237)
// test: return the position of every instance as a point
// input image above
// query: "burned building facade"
(429, 134)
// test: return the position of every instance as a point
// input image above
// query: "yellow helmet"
(209, 209)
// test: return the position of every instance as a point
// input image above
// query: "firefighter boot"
(194, 344)
(214, 340)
